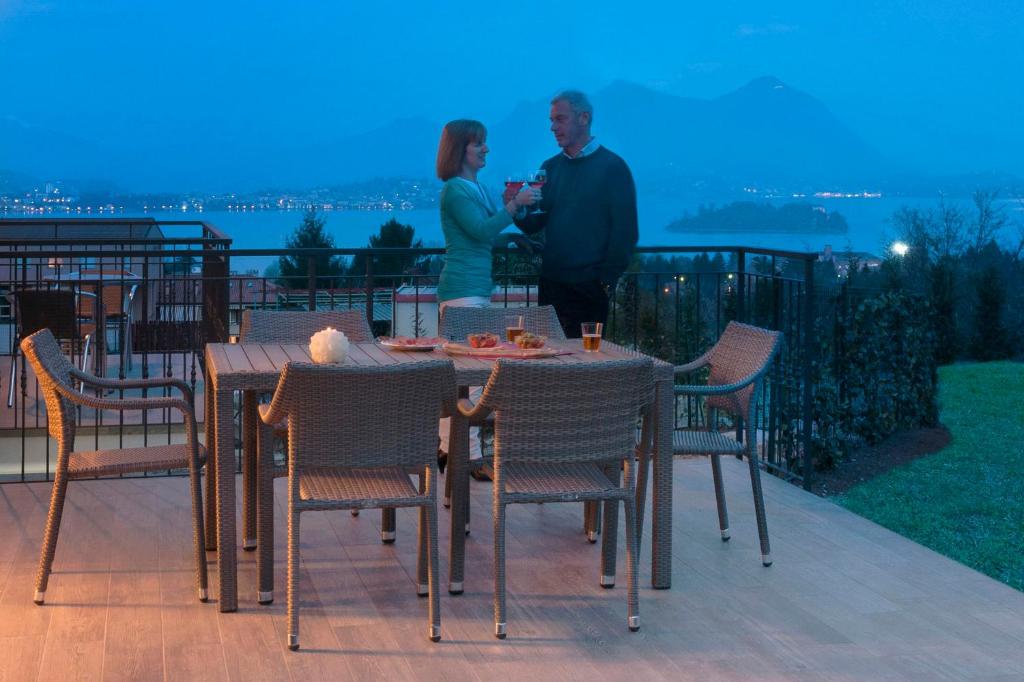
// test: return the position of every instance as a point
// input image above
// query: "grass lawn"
(966, 501)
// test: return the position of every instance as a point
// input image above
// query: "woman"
(472, 221)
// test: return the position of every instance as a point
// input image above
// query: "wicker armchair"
(56, 376)
(352, 440)
(561, 434)
(458, 322)
(284, 326)
(738, 363)
(296, 326)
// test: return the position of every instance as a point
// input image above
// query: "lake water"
(869, 223)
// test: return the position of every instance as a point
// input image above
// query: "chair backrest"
(118, 289)
(741, 351)
(349, 416)
(296, 326)
(51, 367)
(553, 412)
(458, 322)
(52, 309)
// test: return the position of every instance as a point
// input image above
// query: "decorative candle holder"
(328, 346)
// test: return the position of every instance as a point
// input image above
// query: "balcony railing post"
(216, 268)
(741, 285)
(311, 281)
(369, 289)
(808, 369)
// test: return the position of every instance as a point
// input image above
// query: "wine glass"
(514, 182)
(536, 180)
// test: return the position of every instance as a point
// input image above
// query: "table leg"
(458, 469)
(661, 502)
(225, 486)
(210, 432)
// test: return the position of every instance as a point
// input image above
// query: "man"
(588, 214)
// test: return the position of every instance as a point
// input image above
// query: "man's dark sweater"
(589, 218)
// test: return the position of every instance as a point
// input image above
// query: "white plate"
(393, 345)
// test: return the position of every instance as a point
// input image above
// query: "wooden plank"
(259, 357)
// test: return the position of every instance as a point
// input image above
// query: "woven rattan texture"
(353, 486)
(705, 443)
(458, 322)
(741, 351)
(296, 326)
(131, 460)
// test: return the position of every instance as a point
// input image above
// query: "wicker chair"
(561, 433)
(296, 326)
(458, 322)
(118, 289)
(53, 309)
(284, 326)
(738, 363)
(56, 376)
(352, 440)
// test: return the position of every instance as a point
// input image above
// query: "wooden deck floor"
(845, 598)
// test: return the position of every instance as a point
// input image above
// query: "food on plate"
(411, 341)
(482, 340)
(528, 340)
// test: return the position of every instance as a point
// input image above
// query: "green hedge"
(875, 373)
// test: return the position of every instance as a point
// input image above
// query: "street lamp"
(900, 248)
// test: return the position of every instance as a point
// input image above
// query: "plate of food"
(487, 345)
(410, 343)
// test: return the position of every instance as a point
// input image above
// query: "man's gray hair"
(577, 101)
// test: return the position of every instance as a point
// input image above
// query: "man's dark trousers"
(575, 303)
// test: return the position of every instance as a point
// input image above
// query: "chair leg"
(632, 551)
(202, 575)
(762, 522)
(60, 487)
(642, 469)
(592, 520)
(249, 484)
(293, 576)
(387, 525)
(433, 577)
(422, 570)
(500, 624)
(723, 512)
(10, 389)
(265, 516)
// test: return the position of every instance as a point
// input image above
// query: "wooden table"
(256, 367)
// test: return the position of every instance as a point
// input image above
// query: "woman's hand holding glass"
(524, 198)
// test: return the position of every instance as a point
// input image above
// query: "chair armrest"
(471, 411)
(702, 361)
(120, 404)
(693, 389)
(153, 382)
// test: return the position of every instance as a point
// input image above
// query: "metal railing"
(674, 306)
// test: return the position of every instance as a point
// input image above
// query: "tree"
(310, 234)
(991, 218)
(990, 340)
(389, 269)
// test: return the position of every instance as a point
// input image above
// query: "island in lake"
(749, 216)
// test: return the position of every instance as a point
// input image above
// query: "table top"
(257, 366)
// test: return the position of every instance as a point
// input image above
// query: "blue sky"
(936, 82)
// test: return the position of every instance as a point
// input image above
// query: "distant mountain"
(766, 134)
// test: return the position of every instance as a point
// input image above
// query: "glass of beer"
(592, 336)
(514, 327)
